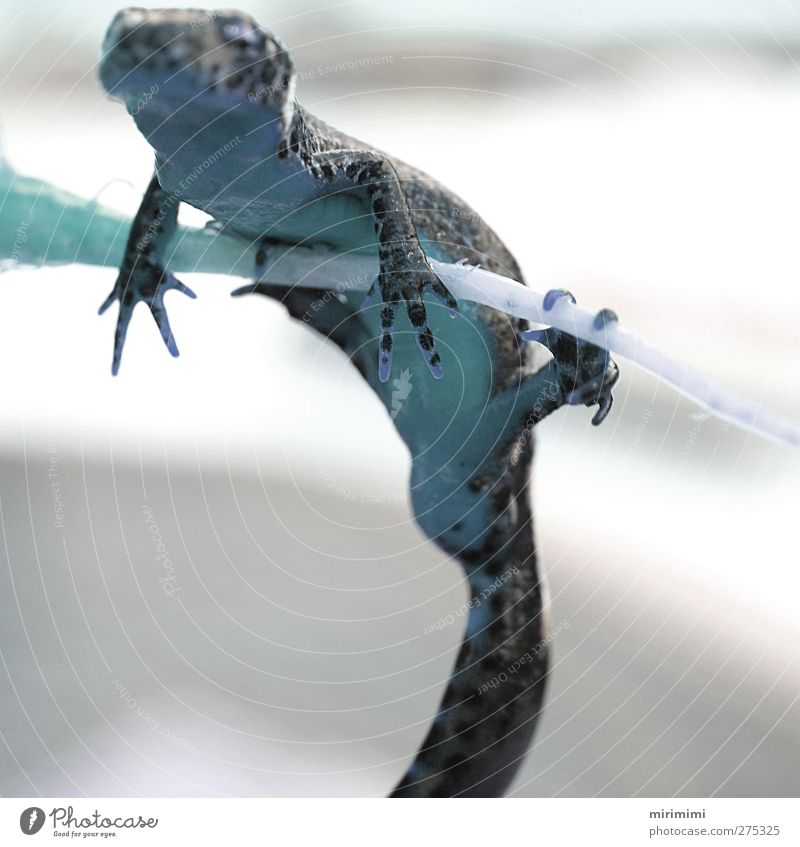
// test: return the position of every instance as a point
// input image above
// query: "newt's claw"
(261, 261)
(253, 288)
(605, 317)
(441, 293)
(554, 295)
(428, 349)
(604, 401)
(148, 282)
(538, 335)
(372, 296)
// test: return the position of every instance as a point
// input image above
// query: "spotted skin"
(231, 139)
(142, 276)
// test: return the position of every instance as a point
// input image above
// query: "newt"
(214, 95)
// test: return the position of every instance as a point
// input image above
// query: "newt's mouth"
(194, 52)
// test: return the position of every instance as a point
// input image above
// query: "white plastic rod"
(355, 272)
(471, 283)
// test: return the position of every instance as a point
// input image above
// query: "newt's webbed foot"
(407, 285)
(587, 372)
(145, 280)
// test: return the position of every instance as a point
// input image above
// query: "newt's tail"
(487, 716)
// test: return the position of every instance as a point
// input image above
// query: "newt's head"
(190, 54)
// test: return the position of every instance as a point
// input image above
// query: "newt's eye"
(240, 35)
(231, 30)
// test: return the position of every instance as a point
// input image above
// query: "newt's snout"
(216, 52)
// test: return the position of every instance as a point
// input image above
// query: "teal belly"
(429, 412)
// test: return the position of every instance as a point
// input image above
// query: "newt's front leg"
(143, 275)
(404, 272)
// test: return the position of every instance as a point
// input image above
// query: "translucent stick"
(469, 283)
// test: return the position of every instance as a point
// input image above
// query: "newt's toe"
(605, 317)
(554, 295)
(148, 283)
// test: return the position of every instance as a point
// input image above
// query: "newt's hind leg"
(143, 275)
(585, 372)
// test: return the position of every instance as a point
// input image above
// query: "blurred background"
(286, 637)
